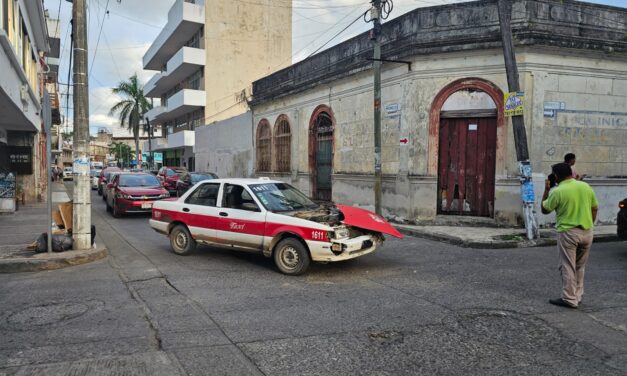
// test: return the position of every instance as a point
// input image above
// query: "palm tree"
(132, 107)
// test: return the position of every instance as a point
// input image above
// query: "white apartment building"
(211, 44)
(178, 53)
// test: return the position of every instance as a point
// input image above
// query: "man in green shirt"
(575, 206)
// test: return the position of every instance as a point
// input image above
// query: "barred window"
(282, 144)
(264, 146)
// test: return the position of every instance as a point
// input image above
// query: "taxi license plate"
(147, 205)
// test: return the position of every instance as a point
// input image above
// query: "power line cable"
(69, 70)
(298, 52)
(115, 64)
(336, 35)
(93, 60)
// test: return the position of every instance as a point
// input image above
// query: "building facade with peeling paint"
(447, 146)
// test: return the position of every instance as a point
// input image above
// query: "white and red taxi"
(271, 217)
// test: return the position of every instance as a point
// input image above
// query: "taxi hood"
(367, 220)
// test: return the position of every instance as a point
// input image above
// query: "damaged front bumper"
(345, 249)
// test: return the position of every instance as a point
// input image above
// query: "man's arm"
(595, 210)
(547, 188)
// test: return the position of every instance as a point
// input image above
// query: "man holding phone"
(575, 206)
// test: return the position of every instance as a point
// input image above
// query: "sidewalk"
(492, 237)
(24, 227)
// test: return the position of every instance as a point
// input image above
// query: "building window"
(264, 146)
(282, 144)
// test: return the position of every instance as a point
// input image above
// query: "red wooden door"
(466, 166)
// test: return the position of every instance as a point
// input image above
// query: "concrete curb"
(43, 261)
(494, 243)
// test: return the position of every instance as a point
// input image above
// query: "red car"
(104, 175)
(169, 176)
(133, 193)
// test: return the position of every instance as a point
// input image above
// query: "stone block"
(619, 87)
(582, 102)
(597, 85)
(613, 103)
(572, 84)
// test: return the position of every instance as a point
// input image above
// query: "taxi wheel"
(181, 241)
(291, 257)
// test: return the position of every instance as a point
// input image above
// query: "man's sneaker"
(562, 303)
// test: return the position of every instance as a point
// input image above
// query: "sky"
(116, 52)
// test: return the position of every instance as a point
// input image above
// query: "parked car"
(168, 177)
(94, 177)
(188, 179)
(110, 176)
(68, 173)
(621, 220)
(104, 175)
(134, 193)
(271, 217)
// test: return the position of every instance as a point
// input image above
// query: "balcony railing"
(184, 63)
(184, 20)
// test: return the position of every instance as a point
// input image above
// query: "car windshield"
(138, 180)
(281, 197)
(176, 171)
(200, 177)
(93, 173)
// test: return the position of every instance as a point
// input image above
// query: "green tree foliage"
(132, 108)
(123, 153)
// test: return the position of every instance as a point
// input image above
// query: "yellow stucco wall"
(244, 42)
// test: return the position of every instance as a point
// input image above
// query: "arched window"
(282, 144)
(264, 146)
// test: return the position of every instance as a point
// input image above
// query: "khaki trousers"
(573, 247)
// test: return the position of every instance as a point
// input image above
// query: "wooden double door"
(466, 166)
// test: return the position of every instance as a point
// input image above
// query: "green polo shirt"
(572, 201)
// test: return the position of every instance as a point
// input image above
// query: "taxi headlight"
(340, 233)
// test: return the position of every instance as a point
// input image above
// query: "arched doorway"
(469, 115)
(321, 127)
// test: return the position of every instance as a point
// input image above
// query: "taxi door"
(241, 220)
(199, 212)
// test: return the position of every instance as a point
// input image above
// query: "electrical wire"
(67, 94)
(336, 35)
(93, 59)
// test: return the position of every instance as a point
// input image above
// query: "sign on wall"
(514, 103)
(21, 159)
(7, 185)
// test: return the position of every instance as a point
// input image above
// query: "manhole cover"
(49, 313)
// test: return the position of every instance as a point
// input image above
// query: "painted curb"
(495, 244)
(55, 261)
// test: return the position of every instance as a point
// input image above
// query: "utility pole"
(375, 16)
(81, 231)
(518, 122)
(151, 165)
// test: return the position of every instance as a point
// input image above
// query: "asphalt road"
(414, 307)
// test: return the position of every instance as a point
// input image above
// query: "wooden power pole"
(518, 122)
(376, 62)
(81, 231)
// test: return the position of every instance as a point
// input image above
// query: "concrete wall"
(244, 42)
(592, 124)
(226, 147)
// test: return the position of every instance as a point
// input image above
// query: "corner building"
(447, 147)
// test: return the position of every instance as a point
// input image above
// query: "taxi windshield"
(281, 197)
(139, 180)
